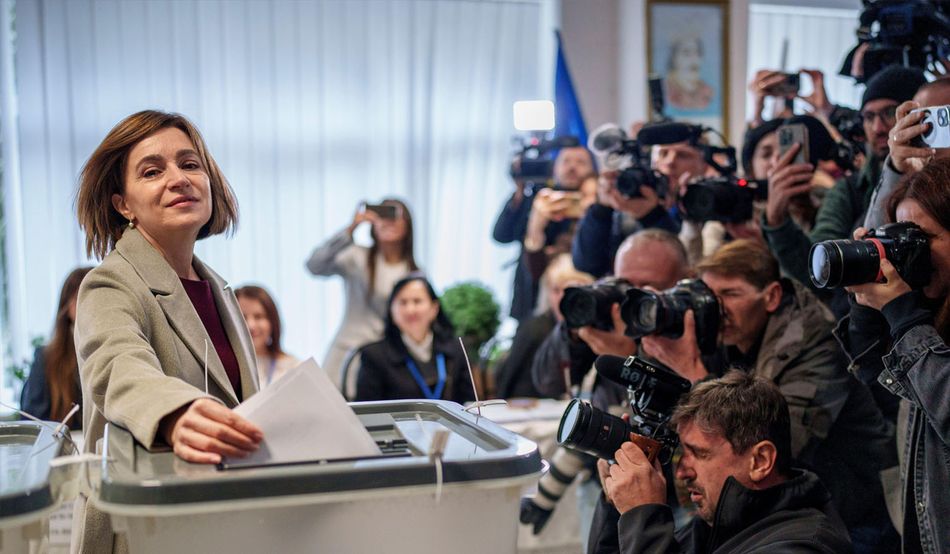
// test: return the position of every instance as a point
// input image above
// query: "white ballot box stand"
(402, 500)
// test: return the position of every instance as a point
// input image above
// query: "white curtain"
(308, 106)
(818, 38)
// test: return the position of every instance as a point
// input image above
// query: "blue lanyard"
(439, 386)
(270, 370)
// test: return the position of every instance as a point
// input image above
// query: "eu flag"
(568, 119)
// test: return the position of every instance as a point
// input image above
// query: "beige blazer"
(141, 349)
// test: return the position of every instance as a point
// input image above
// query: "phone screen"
(385, 211)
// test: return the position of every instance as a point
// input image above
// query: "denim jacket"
(917, 368)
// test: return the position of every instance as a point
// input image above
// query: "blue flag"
(568, 119)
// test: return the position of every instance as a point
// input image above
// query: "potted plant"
(472, 309)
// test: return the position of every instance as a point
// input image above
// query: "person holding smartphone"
(844, 206)
(369, 273)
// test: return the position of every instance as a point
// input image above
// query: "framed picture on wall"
(688, 47)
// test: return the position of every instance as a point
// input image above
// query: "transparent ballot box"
(393, 502)
(30, 488)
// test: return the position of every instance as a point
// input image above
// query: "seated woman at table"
(162, 348)
(419, 356)
(53, 385)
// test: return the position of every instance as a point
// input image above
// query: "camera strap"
(417, 377)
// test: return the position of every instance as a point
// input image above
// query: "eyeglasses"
(888, 115)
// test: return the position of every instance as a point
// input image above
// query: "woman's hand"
(878, 295)
(204, 431)
(786, 181)
(361, 216)
(818, 99)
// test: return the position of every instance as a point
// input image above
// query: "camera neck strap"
(417, 377)
(882, 254)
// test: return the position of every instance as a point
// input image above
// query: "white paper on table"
(304, 418)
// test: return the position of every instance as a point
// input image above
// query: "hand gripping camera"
(652, 390)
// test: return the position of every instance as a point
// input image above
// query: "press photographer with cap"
(844, 206)
(777, 329)
(736, 463)
(571, 167)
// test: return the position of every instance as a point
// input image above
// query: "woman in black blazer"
(419, 357)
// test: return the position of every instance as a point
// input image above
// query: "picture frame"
(688, 48)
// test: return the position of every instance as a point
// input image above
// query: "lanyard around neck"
(417, 377)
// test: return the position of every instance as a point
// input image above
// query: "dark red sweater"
(200, 294)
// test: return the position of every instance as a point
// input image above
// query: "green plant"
(472, 309)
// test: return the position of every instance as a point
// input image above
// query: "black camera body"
(650, 313)
(590, 305)
(535, 163)
(725, 199)
(628, 157)
(652, 391)
(842, 263)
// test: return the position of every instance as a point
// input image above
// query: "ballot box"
(399, 501)
(30, 488)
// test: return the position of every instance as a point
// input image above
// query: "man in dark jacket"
(736, 465)
(843, 208)
(572, 166)
(777, 329)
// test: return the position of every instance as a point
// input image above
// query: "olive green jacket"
(141, 349)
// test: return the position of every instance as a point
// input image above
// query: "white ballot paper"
(304, 418)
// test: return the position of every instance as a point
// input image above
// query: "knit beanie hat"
(894, 82)
(752, 138)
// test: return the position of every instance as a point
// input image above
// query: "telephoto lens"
(842, 263)
(595, 432)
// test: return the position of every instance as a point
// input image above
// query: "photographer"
(615, 216)
(905, 155)
(649, 258)
(844, 206)
(906, 351)
(777, 329)
(571, 167)
(736, 464)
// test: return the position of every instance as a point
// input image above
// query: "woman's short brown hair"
(104, 175)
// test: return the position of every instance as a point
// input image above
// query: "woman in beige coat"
(152, 316)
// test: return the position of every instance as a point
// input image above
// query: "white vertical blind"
(818, 38)
(308, 106)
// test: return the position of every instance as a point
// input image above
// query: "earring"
(131, 224)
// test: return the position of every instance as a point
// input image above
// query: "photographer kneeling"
(916, 324)
(777, 329)
(736, 464)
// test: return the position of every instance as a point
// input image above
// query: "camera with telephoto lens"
(842, 263)
(534, 161)
(590, 305)
(725, 199)
(652, 391)
(662, 313)
(616, 152)
(912, 33)
(938, 131)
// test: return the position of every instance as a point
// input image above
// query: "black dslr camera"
(534, 161)
(616, 152)
(652, 390)
(590, 305)
(841, 263)
(651, 313)
(725, 199)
